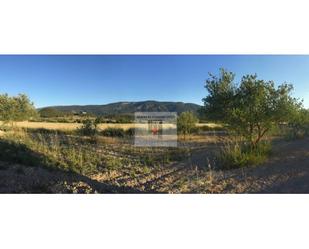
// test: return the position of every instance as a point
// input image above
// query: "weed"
(238, 155)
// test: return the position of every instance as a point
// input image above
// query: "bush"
(118, 132)
(113, 132)
(89, 128)
(298, 127)
(186, 123)
(238, 155)
(130, 132)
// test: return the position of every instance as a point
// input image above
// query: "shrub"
(112, 163)
(186, 123)
(89, 128)
(238, 155)
(113, 132)
(130, 132)
(298, 127)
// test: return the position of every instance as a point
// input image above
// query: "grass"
(51, 150)
(238, 155)
(114, 159)
(74, 126)
(80, 154)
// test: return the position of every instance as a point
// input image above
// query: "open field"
(74, 126)
(64, 163)
(37, 158)
(36, 162)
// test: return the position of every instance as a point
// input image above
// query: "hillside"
(130, 107)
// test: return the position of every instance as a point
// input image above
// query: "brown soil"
(287, 171)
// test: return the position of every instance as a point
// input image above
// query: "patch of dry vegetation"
(74, 126)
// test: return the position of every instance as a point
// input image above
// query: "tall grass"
(238, 154)
(52, 150)
(80, 154)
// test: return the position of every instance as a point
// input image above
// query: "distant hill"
(128, 108)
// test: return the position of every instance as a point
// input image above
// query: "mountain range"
(128, 108)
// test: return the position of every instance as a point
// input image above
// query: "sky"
(100, 79)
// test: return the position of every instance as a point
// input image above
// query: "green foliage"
(250, 108)
(18, 108)
(124, 119)
(50, 112)
(298, 127)
(78, 154)
(186, 123)
(207, 128)
(50, 150)
(89, 128)
(238, 155)
(100, 120)
(130, 132)
(118, 132)
(221, 92)
(113, 163)
(113, 132)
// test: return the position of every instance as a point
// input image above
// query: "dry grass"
(73, 126)
(210, 125)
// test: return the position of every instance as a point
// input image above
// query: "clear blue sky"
(66, 80)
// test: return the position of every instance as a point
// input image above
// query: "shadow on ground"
(23, 170)
(297, 184)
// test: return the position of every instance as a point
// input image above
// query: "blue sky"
(85, 79)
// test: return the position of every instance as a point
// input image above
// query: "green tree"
(17, 108)
(299, 123)
(250, 108)
(186, 123)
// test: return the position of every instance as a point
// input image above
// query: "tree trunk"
(260, 136)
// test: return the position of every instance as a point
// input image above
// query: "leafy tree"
(219, 101)
(186, 122)
(252, 107)
(18, 108)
